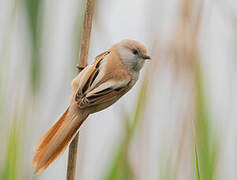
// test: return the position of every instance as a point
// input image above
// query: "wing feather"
(94, 89)
(88, 77)
(107, 91)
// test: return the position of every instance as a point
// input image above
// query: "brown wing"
(102, 82)
(88, 76)
(108, 91)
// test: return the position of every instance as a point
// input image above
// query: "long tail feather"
(56, 139)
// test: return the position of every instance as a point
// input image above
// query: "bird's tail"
(55, 141)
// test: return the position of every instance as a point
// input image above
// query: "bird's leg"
(80, 68)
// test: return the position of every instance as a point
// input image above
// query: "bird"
(99, 85)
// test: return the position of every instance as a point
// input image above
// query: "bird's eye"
(134, 51)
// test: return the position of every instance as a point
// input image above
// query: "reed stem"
(85, 43)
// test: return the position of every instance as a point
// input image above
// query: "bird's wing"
(107, 91)
(92, 86)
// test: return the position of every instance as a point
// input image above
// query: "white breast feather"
(109, 84)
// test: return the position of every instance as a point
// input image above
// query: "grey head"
(132, 53)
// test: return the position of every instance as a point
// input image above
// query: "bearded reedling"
(96, 87)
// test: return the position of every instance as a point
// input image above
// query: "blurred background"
(177, 123)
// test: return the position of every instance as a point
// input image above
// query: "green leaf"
(207, 144)
(33, 8)
(120, 167)
(12, 158)
(197, 164)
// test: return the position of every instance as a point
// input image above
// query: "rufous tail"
(56, 139)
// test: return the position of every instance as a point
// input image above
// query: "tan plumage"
(98, 86)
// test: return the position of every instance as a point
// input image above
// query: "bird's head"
(132, 53)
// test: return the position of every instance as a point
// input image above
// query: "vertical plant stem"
(197, 164)
(85, 42)
(72, 158)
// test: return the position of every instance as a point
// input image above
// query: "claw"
(80, 68)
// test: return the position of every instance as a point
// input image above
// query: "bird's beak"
(146, 57)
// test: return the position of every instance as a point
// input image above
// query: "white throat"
(132, 62)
